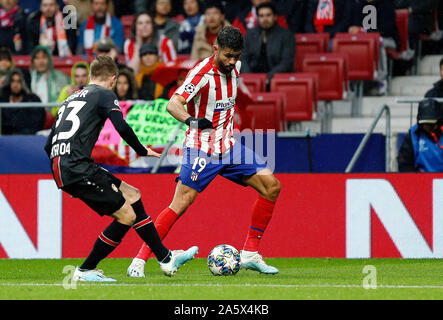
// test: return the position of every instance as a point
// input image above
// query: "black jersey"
(75, 132)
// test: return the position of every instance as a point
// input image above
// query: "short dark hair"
(269, 5)
(214, 4)
(230, 37)
(441, 62)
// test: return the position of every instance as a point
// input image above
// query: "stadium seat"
(309, 43)
(22, 61)
(126, 21)
(365, 35)
(361, 51)
(65, 65)
(332, 69)
(300, 94)
(266, 111)
(256, 82)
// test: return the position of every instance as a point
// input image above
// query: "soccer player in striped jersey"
(209, 91)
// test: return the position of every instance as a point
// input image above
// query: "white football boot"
(137, 268)
(90, 276)
(252, 260)
(178, 258)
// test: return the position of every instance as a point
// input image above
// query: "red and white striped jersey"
(166, 49)
(211, 94)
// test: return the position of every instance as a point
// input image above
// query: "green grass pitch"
(299, 278)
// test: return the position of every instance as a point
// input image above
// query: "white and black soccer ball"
(224, 260)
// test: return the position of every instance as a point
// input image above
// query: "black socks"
(107, 241)
(146, 230)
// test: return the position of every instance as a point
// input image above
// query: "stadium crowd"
(143, 35)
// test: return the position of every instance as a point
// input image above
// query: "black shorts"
(100, 192)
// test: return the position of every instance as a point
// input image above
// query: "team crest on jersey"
(117, 103)
(189, 88)
(194, 176)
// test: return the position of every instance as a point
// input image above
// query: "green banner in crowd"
(153, 124)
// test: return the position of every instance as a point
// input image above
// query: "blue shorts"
(199, 169)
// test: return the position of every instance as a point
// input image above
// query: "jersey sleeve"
(108, 102)
(192, 85)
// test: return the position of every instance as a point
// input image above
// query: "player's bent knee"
(125, 215)
(273, 189)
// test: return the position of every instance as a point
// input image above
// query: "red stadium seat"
(65, 65)
(361, 50)
(126, 21)
(365, 35)
(22, 61)
(266, 111)
(309, 43)
(256, 82)
(332, 69)
(303, 75)
(300, 94)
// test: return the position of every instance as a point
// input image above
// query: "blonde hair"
(103, 68)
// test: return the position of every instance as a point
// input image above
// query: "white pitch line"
(295, 286)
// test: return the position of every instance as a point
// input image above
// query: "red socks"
(163, 224)
(261, 215)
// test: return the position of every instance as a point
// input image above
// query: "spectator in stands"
(248, 19)
(123, 7)
(20, 120)
(143, 31)
(46, 82)
(83, 9)
(45, 27)
(79, 79)
(12, 26)
(126, 87)
(31, 6)
(421, 148)
(206, 34)
(148, 89)
(99, 25)
(146, 5)
(421, 19)
(269, 48)
(7, 65)
(386, 26)
(329, 16)
(437, 90)
(106, 47)
(162, 13)
(188, 25)
(295, 13)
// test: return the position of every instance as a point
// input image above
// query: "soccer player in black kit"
(69, 146)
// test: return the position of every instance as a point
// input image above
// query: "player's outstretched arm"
(129, 136)
(176, 107)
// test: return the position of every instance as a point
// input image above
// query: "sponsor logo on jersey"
(222, 105)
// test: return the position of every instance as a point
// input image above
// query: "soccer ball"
(224, 260)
